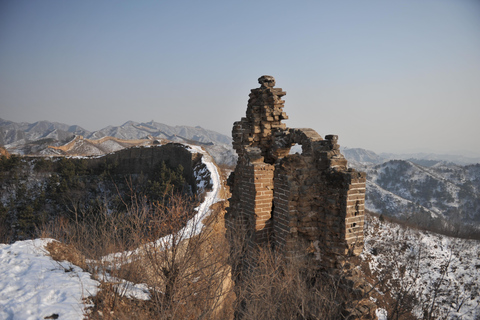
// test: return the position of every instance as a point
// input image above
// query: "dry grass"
(66, 252)
(279, 288)
(187, 276)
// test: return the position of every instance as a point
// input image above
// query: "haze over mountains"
(26, 137)
(360, 155)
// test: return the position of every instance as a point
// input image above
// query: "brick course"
(307, 205)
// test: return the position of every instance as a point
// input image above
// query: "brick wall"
(307, 205)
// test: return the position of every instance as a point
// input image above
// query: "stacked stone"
(308, 206)
(295, 216)
(355, 211)
(317, 214)
(318, 204)
(329, 155)
(263, 119)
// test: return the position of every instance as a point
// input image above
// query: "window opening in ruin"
(296, 148)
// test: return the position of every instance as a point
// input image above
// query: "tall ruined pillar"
(307, 205)
(252, 194)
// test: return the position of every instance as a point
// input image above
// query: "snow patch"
(34, 286)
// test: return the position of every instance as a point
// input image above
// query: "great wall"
(307, 205)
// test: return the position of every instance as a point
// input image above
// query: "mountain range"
(360, 155)
(430, 193)
(53, 138)
(13, 132)
(440, 191)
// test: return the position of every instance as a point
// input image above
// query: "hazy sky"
(389, 76)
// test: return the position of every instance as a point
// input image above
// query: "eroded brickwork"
(307, 205)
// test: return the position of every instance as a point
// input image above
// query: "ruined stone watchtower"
(307, 205)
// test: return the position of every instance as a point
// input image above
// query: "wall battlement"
(307, 205)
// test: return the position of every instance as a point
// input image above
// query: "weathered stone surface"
(312, 197)
(309, 206)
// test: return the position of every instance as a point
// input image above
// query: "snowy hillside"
(414, 272)
(429, 274)
(430, 193)
(422, 272)
(449, 192)
(34, 286)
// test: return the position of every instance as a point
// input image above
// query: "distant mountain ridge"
(12, 132)
(24, 132)
(422, 188)
(40, 137)
(426, 192)
(427, 159)
(135, 130)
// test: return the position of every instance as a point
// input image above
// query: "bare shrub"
(275, 287)
(184, 264)
(189, 268)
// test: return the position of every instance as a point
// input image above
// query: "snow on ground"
(381, 314)
(210, 198)
(34, 286)
(195, 224)
(438, 270)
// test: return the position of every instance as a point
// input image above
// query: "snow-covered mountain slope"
(450, 192)
(12, 133)
(431, 193)
(422, 271)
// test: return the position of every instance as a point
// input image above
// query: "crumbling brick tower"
(307, 205)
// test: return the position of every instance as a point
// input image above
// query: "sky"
(389, 76)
